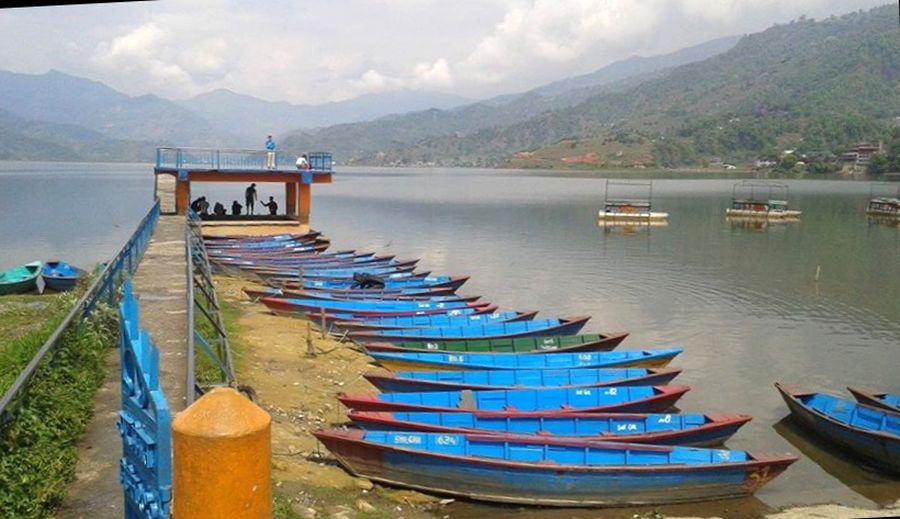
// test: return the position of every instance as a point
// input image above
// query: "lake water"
(741, 300)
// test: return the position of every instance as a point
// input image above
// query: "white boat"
(634, 211)
(629, 210)
(754, 207)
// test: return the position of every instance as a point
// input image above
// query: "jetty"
(168, 291)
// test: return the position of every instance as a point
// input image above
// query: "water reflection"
(748, 507)
(841, 464)
(757, 224)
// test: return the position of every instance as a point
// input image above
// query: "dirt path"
(299, 392)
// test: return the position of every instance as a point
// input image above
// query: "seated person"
(204, 205)
(272, 205)
(303, 162)
(196, 204)
(219, 209)
(236, 208)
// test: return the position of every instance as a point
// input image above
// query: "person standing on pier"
(250, 198)
(270, 153)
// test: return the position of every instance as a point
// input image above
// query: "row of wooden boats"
(56, 275)
(867, 428)
(498, 405)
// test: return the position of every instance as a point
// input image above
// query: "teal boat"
(21, 279)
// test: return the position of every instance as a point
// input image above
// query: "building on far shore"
(856, 160)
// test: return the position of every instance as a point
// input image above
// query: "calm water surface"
(741, 300)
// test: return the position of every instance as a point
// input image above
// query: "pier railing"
(104, 288)
(211, 159)
(206, 329)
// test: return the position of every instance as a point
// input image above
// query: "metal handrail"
(198, 263)
(105, 285)
(225, 159)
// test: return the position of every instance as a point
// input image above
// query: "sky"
(313, 52)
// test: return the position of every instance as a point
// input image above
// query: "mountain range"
(817, 86)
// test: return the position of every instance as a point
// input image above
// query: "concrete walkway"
(160, 287)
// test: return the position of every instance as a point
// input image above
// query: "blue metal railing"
(104, 288)
(237, 160)
(145, 421)
(216, 347)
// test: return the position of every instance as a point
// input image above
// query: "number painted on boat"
(407, 439)
(454, 312)
(585, 356)
(447, 440)
(613, 391)
(431, 346)
(757, 478)
(583, 392)
(665, 419)
(456, 358)
(623, 427)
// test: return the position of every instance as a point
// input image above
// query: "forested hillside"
(817, 86)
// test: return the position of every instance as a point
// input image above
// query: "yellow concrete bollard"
(222, 458)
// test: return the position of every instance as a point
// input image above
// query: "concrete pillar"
(305, 203)
(222, 457)
(182, 196)
(290, 195)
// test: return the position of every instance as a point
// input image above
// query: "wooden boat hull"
(406, 361)
(361, 323)
(566, 326)
(60, 276)
(452, 282)
(423, 381)
(880, 449)
(284, 307)
(557, 344)
(660, 429)
(875, 398)
(545, 483)
(526, 402)
(20, 280)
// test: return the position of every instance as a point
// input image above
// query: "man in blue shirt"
(270, 153)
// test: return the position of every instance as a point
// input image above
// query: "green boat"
(556, 344)
(21, 279)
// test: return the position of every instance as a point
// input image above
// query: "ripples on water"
(741, 300)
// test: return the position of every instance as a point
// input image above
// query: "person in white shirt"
(302, 162)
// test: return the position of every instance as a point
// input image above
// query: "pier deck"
(160, 286)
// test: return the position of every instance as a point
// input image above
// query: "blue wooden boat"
(503, 330)
(288, 262)
(292, 305)
(875, 398)
(349, 322)
(252, 238)
(662, 429)
(351, 295)
(267, 242)
(423, 381)
(343, 284)
(403, 361)
(61, 276)
(21, 279)
(632, 399)
(869, 432)
(547, 472)
(347, 272)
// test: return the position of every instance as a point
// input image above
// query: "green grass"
(206, 369)
(25, 323)
(38, 451)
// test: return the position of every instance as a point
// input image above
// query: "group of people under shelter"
(201, 205)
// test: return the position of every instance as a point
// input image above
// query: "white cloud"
(314, 52)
